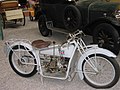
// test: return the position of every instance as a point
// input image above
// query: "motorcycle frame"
(69, 64)
(79, 45)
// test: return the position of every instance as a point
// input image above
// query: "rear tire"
(107, 74)
(18, 64)
(107, 37)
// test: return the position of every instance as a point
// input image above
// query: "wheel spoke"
(72, 18)
(90, 72)
(105, 39)
(105, 74)
(20, 59)
(91, 64)
(72, 22)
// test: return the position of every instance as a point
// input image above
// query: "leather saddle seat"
(40, 43)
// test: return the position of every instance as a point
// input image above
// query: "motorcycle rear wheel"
(22, 61)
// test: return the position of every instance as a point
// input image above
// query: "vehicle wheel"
(18, 59)
(42, 26)
(72, 18)
(104, 72)
(30, 17)
(22, 21)
(107, 37)
(3, 18)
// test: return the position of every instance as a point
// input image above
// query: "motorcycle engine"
(53, 64)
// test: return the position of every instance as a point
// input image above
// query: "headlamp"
(117, 13)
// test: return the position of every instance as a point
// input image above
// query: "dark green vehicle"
(98, 18)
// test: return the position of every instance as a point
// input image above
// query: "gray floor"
(11, 81)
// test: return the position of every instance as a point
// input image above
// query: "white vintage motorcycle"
(96, 66)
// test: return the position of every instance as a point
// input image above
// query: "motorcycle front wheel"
(100, 71)
(22, 61)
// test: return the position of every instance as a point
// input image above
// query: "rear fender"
(19, 43)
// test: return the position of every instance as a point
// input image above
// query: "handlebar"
(75, 34)
(72, 36)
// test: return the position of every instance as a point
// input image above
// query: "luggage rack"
(10, 43)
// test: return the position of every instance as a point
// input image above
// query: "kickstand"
(42, 79)
(70, 77)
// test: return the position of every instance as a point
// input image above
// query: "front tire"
(19, 59)
(106, 73)
(42, 26)
(107, 37)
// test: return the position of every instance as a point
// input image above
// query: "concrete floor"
(11, 81)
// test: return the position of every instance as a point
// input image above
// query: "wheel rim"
(106, 72)
(42, 27)
(31, 18)
(19, 58)
(71, 19)
(22, 21)
(105, 40)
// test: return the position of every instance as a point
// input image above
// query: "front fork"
(85, 57)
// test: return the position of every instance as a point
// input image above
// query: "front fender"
(112, 20)
(90, 52)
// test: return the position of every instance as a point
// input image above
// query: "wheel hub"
(68, 19)
(104, 40)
